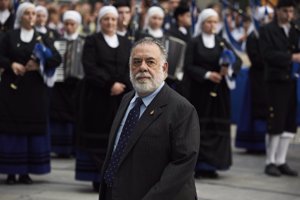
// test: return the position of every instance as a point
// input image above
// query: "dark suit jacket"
(277, 50)
(159, 160)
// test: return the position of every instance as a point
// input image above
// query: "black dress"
(214, 112)
(23, 112)
(103, 66)
(65, 99)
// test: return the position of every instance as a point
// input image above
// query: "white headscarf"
(42, 9)
(72, 15)
(154, 10)
(261, 12)
(21, 9)
(103, 11)
(204, 15)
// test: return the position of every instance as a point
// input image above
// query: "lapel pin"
(152, 112)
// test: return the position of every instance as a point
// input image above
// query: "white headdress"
(103, 11)
(20, 11)
(154, 10)
(42, 9)
(204, 15)
(262, 12)
(72, 15)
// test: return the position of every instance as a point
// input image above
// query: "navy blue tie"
(130, 123)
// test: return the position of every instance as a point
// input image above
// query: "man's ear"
(165, 67)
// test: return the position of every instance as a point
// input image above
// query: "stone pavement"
(245, 181)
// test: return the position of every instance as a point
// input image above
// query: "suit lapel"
(152, 112)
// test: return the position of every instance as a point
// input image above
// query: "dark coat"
(103, 66)
(174, 31)
(24, 110)
(52, 34)
(277, 50)
(160, 157)
(7, 25)
(257, 81)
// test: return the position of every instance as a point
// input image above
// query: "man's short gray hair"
(150, 40)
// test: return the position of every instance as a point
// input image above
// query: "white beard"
(148, 85)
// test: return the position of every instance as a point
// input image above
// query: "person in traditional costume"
(183, 24)
(210, 79)
(7, 17)
(65, 95)
(24, 137)
(153, 24)
(175, 46)
(41, 23)
(124, 20)
(279, 43)
(105, 60)
(251, 125)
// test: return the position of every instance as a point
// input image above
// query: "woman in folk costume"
(209, 66)
(24, 138)
(105, 61)
(153, 27)
(64, 95)
(7, 17)
(153, 24)
(252, 128)
(41, 22)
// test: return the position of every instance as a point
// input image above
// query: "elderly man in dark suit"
(154, 139)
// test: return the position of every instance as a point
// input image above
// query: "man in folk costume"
(124, 11)
(251, 126)
(180, 30)
(279, 46)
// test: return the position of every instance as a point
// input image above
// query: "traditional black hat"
(286, 3)
(181, 10)
(122, 3)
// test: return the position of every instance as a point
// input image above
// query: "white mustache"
(142, 74)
